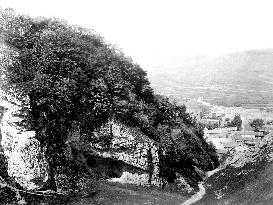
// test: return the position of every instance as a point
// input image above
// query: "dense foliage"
(236, 122)
(74, 80)
(257, 124)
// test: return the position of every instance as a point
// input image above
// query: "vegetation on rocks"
(76, 82)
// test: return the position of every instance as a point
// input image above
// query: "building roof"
(220, 130)
(209, 120)
(239, 137)
(221, 151)
(251, 133)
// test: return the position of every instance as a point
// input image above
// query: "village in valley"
(220, 127)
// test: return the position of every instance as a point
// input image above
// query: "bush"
(257, 124)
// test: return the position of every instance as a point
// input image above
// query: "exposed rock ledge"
(23, 153)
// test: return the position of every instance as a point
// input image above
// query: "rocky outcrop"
(25, 161)
(131, 146)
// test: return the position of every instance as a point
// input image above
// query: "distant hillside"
(234, 79)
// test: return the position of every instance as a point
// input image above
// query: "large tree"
(237, 122)
(257, 124)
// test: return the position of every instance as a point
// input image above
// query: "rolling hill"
(233, 79)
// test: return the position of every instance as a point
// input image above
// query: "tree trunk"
(150, 164)
(51, 182)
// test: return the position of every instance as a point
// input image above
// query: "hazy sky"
(155, 31)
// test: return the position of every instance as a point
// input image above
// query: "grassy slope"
(249, 184)
(123, 194)
(129, 194)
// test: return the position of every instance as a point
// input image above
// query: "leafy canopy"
(257, 124)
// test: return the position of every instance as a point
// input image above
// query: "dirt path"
(196, 197)
(202, 191)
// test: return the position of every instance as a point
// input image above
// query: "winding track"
(202, 191)
(196, 197)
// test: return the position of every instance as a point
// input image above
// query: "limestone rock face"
(134, 148)
(23, 153)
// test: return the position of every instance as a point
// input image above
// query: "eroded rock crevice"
(25, 162)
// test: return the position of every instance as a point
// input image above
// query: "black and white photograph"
(136, 102)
